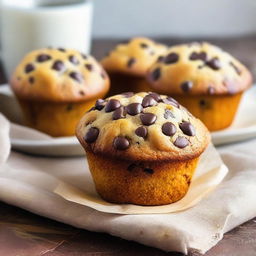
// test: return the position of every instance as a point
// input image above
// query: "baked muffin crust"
(59, 75)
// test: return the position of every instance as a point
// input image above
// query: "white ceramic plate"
(30, 141)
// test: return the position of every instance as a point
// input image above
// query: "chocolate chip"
(236, 68)
(186, 86)
(131, 62)
(91, 109)
(155, 75)
(181, 142)
(121, 143)
(169, 129)
(43, 57)
(62, 49)
(69, 107)
(76, 76)
(58, 65)
(119, 113)
(214, 64)
(155, 96)
(128, 94)
(112, 105)
(103, 75)
(187, 128)
(89, 67)
(143, 45)
(31, 80)
(171, 101)
(134, 109)
(148, 118)
(100, 103)
(148, 101)
(92, 135)
(148, 170)
(82, 93)
(211, 90)
(73, 59)
(29, 68)
(131, 167)
(171, 58)
(198, 56)
(203, 104)
(141, 131)
(168, 114)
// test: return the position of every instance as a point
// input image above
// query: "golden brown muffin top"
(142, 127)
(134, 57)
(198, 69)
(59, 75)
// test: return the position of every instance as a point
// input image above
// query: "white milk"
(29, 24)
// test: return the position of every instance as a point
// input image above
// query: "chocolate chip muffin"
(141, 148)
(205, 79)
(128, 63)
(55, 87)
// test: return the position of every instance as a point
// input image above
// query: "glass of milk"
(29, 24)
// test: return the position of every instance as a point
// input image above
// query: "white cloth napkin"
(28, 182)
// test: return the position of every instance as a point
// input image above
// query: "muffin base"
(55, 119)
(127, 83)
(215, 111)
(141, 183)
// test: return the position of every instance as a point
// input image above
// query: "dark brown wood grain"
(25, 234)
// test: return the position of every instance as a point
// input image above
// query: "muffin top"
(198, 68)
(59, 75)
(134, 57)
(142, 127)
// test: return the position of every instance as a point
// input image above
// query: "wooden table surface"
(25, 234)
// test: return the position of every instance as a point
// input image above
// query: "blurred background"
(97, 25)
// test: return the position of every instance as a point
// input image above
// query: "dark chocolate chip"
(131, 167)
(143, 45)
(82, 93)
(141, 131)
(148, 101)
(31, 80)
(58, 65)
(181, 142)
(148, 118)
(198, 56)
(187, 128)
(92, 135)
(121, 143)
(134, 109)
(103, 75)
(171, 101)
(204, 104)
(214, 64)
(171, 58)
(148, 170)
(91, 109)
(128, 94)
(155, 75)
(155, 96)
(169, 129)
(69, 107)
(236, 68)
(211, 90)
(76, 76)
(119, 113)
(112, 105)
(73, 59)
(43, 57)
(100, 103)
(29, 68)
(131, 62)
(89, 67)
(186, 86)
(61, 49)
